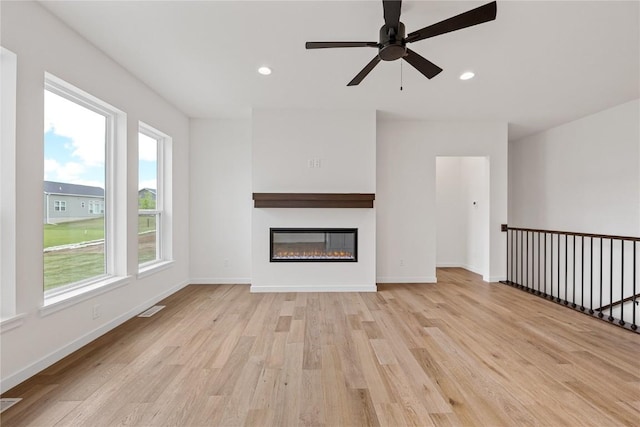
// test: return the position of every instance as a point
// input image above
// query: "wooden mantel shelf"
(313, 200)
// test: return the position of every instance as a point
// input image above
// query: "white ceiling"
(537, 65)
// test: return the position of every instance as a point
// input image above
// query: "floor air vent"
(6, 403)
(153, 310)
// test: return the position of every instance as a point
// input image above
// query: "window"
(153, 235)
(8, 74)
(59, 206)
(80, 138)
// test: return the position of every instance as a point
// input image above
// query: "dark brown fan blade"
(473, 17)
(323, 45)
(426, 67)
(366, 70)
(392, 12)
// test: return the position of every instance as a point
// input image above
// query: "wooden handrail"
(622, 301)
(571, 233)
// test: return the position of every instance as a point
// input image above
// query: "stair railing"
(595, 274)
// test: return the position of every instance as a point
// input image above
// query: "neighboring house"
(65, 202)
(71, 202)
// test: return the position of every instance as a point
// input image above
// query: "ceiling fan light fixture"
(392, 43)
(265, 71)
(467, 75)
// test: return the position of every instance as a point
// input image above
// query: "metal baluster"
(601, 278)
(591, 279)
(621, 321)
(558, 296)
(545, 264)
(508, 255)
(635, 263)
(521, 261)
(525, 282)
(516, 257)
(611, 284)
(573, 295)
(566, 268)
(582, 275)
(551, 267)
(513, 256)
(539, 287)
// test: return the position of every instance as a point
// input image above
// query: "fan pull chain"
(400, 75)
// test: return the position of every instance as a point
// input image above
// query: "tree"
(147, 201)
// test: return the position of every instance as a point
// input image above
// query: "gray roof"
(72, 189)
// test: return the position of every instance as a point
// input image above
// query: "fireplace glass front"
(314, 244)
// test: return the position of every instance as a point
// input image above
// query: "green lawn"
(146, 223)
(70, 267)
(146, 238)
(73, 265)
(87, 230)
(73, 232)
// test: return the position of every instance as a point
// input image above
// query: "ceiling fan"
(393, 42)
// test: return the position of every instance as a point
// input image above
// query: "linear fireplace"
(314, 245)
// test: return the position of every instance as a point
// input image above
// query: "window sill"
(76, 296)
(150, 269)
(12, 322)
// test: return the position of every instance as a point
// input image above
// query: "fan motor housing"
(392, 44)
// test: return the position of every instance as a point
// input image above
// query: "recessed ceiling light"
(467, 75)
(265, 71)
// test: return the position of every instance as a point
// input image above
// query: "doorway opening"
(462, 217)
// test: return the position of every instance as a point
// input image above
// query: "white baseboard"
(334, 288)
(221, 281)
(494, 279)
(405, 279)
(473, 269)
(458, 265)
(449, 264)
(57, 355)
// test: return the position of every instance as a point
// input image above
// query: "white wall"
(344, 142)
(475, 176)
(220, 208)
(583, 176)
(462, 213)
(406, 193)
(406, 154)
(42, 44)
(451, 219)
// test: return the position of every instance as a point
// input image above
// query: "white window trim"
(8, 84)
(164, 250)
(78, 295)
(11, 323)
(115, 215)
(149, 269)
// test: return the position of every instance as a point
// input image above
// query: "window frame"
(9, 319)
(115, 199)
(59, 205)
(163, 201)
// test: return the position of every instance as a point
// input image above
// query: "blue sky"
(74, 145)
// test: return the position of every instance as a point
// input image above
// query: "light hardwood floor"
(460, 352)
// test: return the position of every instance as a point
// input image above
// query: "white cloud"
(85, 128)
(151, 183)
(147, 148)
(71, 172)
(51, 167)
